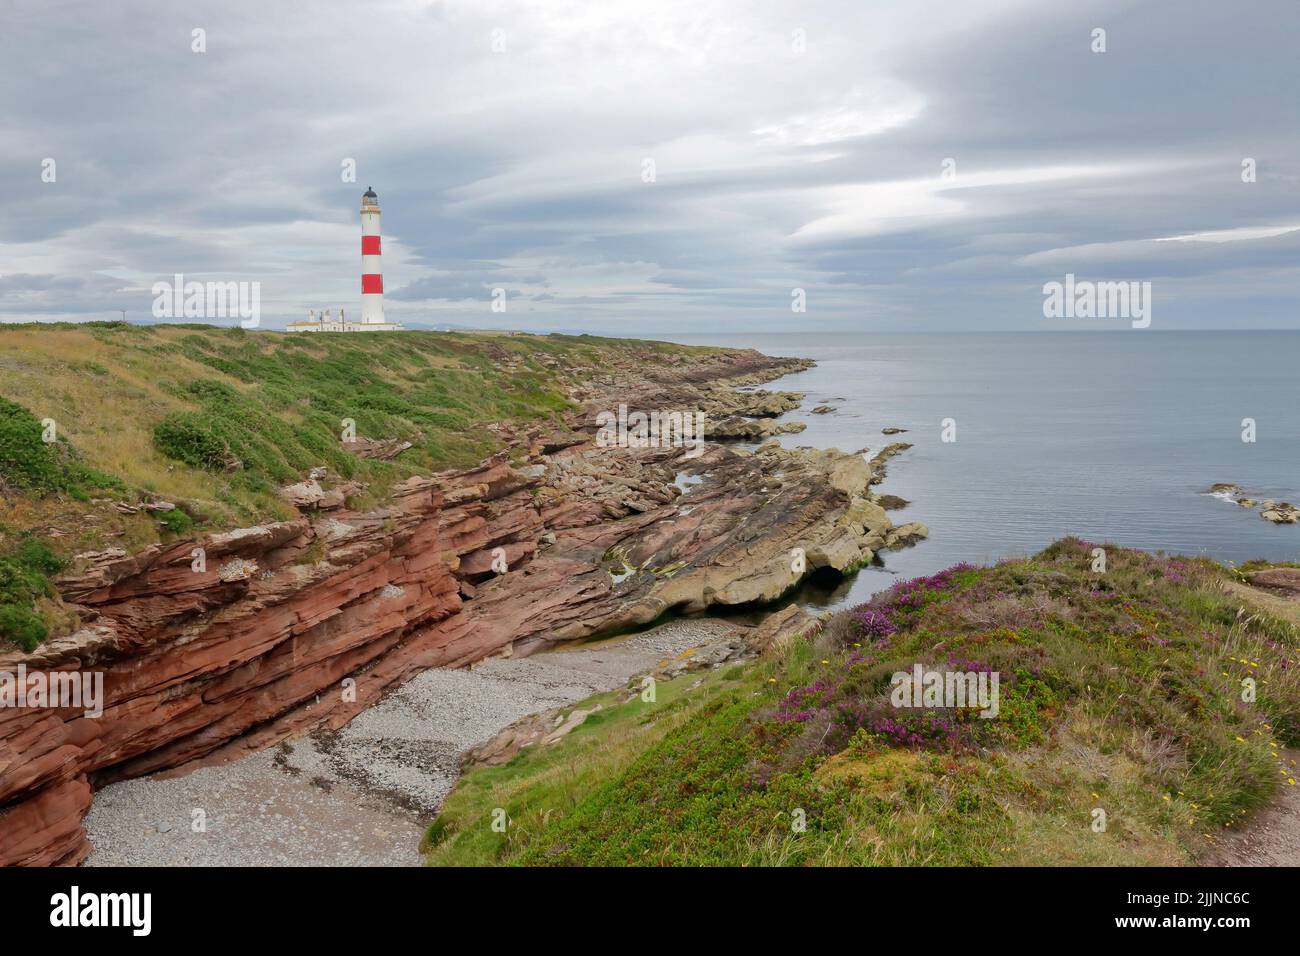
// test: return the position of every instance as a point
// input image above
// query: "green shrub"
(26, 461)
(35, 555)
(176, 522)
(29, 463)
(22, 626)
(191, 438)
(24, 577)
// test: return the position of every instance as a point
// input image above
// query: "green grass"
(1258, 564)
(542, 783)
(25, 579)
(1121, 692)
(30, 464)
(222, 417)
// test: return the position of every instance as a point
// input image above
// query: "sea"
(1112, 436)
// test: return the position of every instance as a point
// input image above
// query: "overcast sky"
(794, 145)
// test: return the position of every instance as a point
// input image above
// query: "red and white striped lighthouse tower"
(372, 276)
(372, 283)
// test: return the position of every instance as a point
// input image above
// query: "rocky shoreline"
(1278, 512)
(301, 625)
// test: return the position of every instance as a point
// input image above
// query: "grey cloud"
(522, 170)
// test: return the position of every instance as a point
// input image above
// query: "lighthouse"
(372, 283)
(372, 276)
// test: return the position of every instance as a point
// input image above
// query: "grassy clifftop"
(101, 415)
(219, 418)
(1124, 735)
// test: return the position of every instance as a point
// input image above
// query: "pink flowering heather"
(802, 703)
(909, 595)
(874, 624)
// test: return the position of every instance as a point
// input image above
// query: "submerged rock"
(1281, 513)
(1278, 512)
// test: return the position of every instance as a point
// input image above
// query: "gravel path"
(364, 795)
(1270, 837)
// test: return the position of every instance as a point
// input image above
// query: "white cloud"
(871, 209)
(1237, 234)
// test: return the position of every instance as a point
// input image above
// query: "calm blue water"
(1110, 436)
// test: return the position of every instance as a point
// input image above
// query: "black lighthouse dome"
(370, 193)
